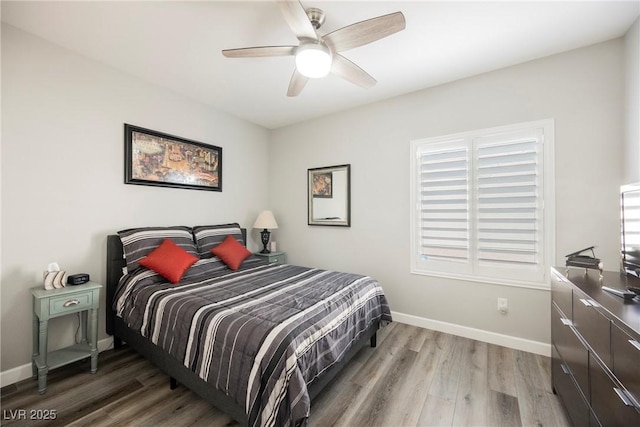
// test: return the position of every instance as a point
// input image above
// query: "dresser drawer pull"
(71, 302)
(589, 302)
(565, 321)
(635, 343)
(623, 396)
(565, 369)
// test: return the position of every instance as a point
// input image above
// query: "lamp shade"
(266, 220)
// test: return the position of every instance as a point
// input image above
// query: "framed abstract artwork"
(163, 160)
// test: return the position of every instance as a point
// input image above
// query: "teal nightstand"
(272, 257)
(48, 304)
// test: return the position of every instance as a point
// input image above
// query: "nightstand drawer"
(277, 259)
(273, 257)
(70, 303)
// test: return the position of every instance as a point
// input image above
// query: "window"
(482, 204)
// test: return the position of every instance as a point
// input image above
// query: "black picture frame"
(161, 160)
(334, 209)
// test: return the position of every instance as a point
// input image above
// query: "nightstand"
(48, 304)
(272, 257)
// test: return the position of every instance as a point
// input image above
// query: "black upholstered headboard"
(115, 264)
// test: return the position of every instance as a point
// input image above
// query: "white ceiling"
(177, 44)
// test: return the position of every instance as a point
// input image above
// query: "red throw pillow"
(231, 252)
(169, 260)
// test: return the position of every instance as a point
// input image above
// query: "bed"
(259, 342)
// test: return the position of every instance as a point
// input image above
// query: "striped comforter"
(260, 335)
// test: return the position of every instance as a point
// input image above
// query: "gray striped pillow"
(137, 243)
(208, 237)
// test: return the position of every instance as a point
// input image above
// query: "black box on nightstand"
(78, 279)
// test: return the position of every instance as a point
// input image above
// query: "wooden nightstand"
(273, 257)
(48, 304)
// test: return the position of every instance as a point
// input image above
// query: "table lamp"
(265, 221)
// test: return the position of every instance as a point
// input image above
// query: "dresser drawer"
(561, 293)
(626, 361)
(70, 303)
(570, 348)
(570, 395)
(609, 401)
(592, 325)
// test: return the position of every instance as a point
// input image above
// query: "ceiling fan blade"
(297, 18)
(247, 52)
(349, 71)
(297, 83)
(364, 32)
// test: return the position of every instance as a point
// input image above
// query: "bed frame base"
(180, 374)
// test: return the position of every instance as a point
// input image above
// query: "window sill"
(487, 280)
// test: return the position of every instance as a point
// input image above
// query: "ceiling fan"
(317, 55)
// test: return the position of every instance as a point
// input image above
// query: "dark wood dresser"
(595, 338)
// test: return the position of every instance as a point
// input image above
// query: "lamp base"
(265, 235)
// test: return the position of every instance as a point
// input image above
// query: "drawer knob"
(565, 369)
(565, 321)
(71, 302)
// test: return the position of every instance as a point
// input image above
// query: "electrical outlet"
(503, 305)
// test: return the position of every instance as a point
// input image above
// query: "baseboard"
(517, 343)
(23, 372)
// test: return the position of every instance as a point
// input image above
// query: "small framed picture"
(323, 185)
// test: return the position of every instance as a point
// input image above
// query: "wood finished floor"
(415, 377)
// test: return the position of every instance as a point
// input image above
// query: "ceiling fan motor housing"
(316, 16)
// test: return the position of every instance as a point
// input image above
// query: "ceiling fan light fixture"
(313, 60)
(318, 55)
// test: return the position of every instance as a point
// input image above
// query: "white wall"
(632, 108)
(63, 185)
(582, 90)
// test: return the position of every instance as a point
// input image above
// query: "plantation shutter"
(508, 193)
(479, 205)
(444, 204)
